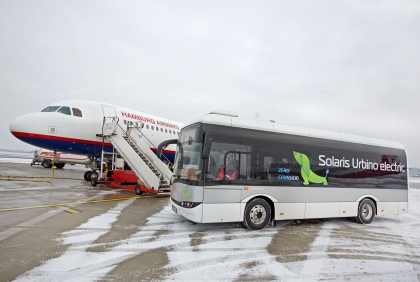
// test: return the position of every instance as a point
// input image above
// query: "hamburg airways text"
(149, 120)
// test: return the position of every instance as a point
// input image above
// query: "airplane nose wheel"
(85, 175)
(94, 179)
(89, 174)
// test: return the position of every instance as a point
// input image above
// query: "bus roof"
(226, 118)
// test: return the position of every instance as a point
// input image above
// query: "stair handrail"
(143, 135)
(144, 153)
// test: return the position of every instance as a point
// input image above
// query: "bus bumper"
(193, 214)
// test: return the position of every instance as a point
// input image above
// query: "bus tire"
(85, 176)
(257, 214)
(367, 211)
(46, 164)
(138, 190)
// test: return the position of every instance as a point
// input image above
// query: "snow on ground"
(16, 161)
(385, 250)
(414, 179)
(76, 263)
(11, 157)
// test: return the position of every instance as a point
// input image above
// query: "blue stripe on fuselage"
(77, 147)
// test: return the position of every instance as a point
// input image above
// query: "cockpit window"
(64, 110)
(77, 112)
(51, 109)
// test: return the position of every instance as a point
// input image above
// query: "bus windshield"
(188, 156)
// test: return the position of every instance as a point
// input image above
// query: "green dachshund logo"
(307, 174)
(186, 194)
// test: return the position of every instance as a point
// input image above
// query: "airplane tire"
(46, 164)
(88, 176)
(93, 174)
(138, 190)
(85, 176)
(94, 181)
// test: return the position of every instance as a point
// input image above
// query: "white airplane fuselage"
(76, 127)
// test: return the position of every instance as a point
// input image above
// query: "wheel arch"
(269, 199)
(370, 197)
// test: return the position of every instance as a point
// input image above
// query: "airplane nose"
(15, 125)
(23, 124)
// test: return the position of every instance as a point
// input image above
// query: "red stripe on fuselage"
(58, 138)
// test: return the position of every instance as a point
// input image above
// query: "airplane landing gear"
(89, 175)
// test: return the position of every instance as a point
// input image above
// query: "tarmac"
(67, 230)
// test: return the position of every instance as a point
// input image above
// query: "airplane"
(75, 127)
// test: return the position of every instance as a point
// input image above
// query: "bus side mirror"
(164, 144)
(206, 145)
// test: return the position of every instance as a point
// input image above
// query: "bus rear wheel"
(366, 213)
(257, 214)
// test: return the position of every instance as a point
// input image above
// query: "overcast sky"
(347, 66)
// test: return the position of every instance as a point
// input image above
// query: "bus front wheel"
(257, 214)
(367, 211)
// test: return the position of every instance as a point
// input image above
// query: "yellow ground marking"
(67, 209)
(64, 205)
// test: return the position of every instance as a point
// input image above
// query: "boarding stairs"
(149, 169)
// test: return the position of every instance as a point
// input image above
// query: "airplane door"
(108, 111)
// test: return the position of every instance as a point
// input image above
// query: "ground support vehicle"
(123, 179)
(147, 174)
(45, 157)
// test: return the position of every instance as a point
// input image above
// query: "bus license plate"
(174, 209)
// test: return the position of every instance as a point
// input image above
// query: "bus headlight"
(189, 205)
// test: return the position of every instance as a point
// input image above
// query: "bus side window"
(237, 159)
(281, 167)
(262, 158)
(390, 176)
(244, 167)
(348, 174)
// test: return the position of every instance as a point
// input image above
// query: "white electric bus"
(231, 169)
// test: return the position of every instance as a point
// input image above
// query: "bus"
(231, 169)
